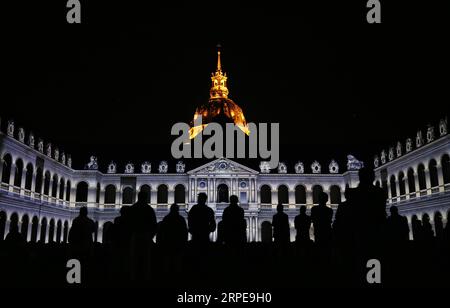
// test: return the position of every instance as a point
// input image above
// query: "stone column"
(171, 196)
(406, 186)
(118, 201)
(22, 181)
(416, 183)
(33, 183)
(291, 196)
(309, 195)
(92, 195)
(102, 198)
(397, 188)
(275, 197)
(427, 180)
(388, 185)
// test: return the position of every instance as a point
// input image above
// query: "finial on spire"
(219, 65)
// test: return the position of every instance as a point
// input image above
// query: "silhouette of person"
(201, 220)
(342, 219)
(143, 228)
(80, 235)
(417, 229)
(302, 225)
(321, 217)
(368, 208)
(234, 223)
(174, 232)
(280, 224)
(397, 226)
(427, 229)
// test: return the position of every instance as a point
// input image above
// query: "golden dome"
(218, 105)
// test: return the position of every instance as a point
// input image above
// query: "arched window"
(14, 222)
(43, 230)
(2, 225)
(58, 231)
(29, 177)
(147, 190)
(128, 195)
(180, 194)
(68, 189)
(300, 194)
(97, 194)
(47, 183)
(421, 176)
(335, 194)
(401, 184)
(82, 192)
(317, 190)
(61, 188)
(162, 194)
(222, 193)
(7, 163)
(19, 173)
(438, 225)
(24, 226)
(55, 186)
(34, 229)
(65, 232)
(38, 184)
(411, 181)
(445, 165)
(393, 186)
(51, 231)
(283, 194)
(433, 173)
(110, 194)
(266, 194)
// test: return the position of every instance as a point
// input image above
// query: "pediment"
(223, 166)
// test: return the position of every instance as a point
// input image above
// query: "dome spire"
(219, 66)
(219, 81)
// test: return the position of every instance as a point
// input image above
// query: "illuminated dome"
(219, 105)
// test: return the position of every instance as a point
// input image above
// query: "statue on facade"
(408, 145)
(92, 164)
(31, 140)
(315, 167)
(56, 154)
(353, 164)
(21, 135)
(63, 158)
(112, 168)
(264, 166)
(430, 134)
(41, 145)
(391, 154)
(399, 149)
(180, 167)
(299, 167)
(333, 167)
(10, 129)
(129, 168)
(419, 139)
(163, 167)
(69, 161)
(443, 127)
(376, 161)
(48, 150)
(146, 167)
(282, 167)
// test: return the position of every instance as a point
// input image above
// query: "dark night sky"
(114, 85)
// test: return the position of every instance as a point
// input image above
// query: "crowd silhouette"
(137, 250)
